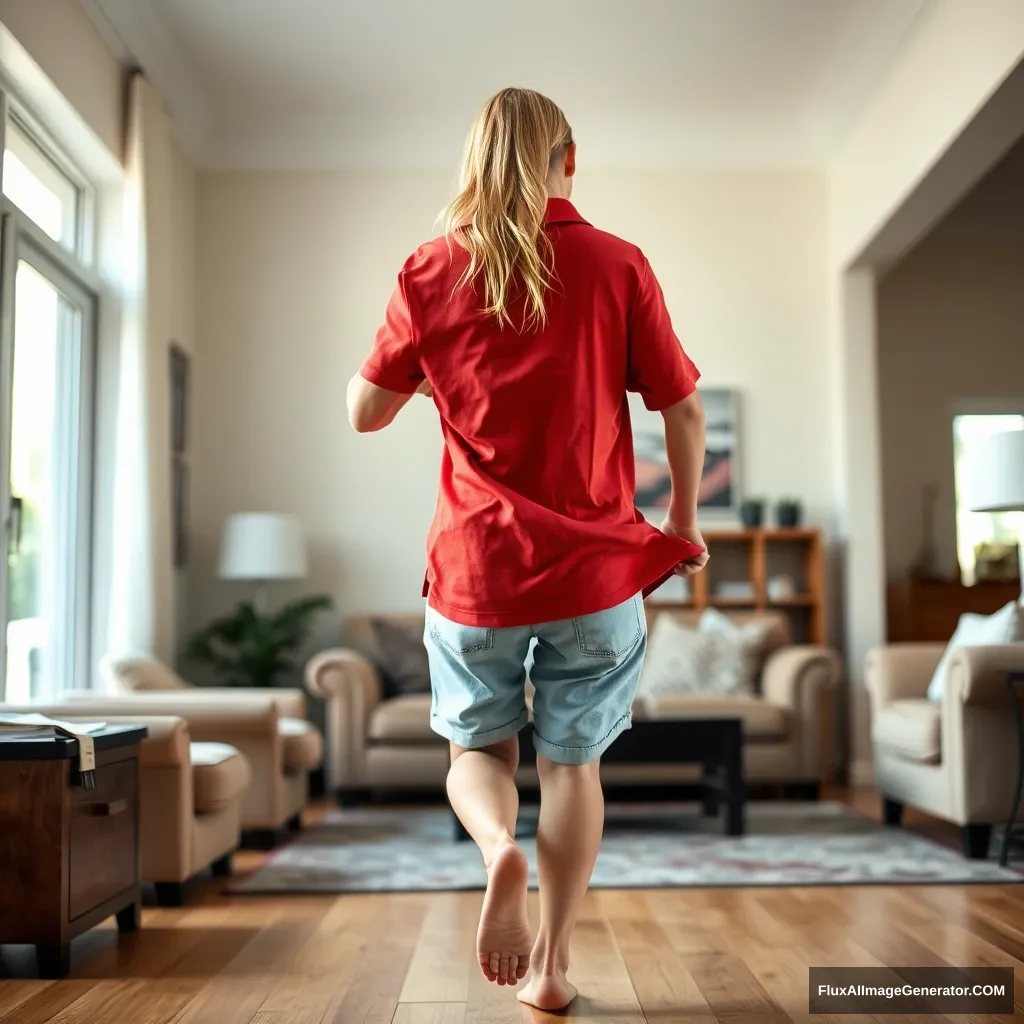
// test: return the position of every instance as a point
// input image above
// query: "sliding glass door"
(48, 342)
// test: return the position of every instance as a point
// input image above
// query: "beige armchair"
(190, 798)
(281, 751)
(376, 743)
(956, 759)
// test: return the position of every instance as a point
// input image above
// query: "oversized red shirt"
(535, 517)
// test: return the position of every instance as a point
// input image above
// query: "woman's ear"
(570, 160)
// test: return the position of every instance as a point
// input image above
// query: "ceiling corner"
(136, 33)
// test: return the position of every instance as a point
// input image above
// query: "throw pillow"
(403, 663)
(1003, 627)
(751, 638)
(684, 660)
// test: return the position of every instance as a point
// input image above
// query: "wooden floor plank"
(372, 998)
(430, 1013)
(441, 960)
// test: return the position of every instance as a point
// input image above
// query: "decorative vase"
(752, 514)
(788, 514)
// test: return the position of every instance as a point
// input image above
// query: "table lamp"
(996, 478)
(262, 547)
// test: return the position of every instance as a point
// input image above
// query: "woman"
(528, 326)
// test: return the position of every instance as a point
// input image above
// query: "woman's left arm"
(371, 407)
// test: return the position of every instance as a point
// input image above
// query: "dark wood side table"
(1015, 681)
(69, 857)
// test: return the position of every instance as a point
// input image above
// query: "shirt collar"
(561, 211)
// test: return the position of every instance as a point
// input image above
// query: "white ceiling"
(395, 83)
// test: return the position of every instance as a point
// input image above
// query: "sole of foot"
(503, 941)
(547, 992)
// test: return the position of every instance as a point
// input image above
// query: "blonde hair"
(498, 214)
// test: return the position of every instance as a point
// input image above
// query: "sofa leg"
(803, 791)
(263, 839)
(352, 797)
(892, 811)
(977, 839)
(222, 867)
(170, 894)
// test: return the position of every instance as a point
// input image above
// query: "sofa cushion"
(303, 745)
(761, 721)
(403, 720)
(911, 729)
(1006, 626)
(719, 657)
(220, 774)
(404, 665)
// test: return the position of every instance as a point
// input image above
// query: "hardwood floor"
(661, 957)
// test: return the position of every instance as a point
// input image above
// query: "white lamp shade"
(995, 477)
(262, 546)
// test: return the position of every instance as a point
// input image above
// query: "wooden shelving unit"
(755, 557)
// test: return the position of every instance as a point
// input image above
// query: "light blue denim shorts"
(585, 672)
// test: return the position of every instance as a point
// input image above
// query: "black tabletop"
(63, 748)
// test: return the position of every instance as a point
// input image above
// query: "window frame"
(974, 407)
(83, 246)
(72, 268)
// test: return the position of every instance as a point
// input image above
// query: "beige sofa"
(190, 798)
(282, 748)
(955, 759)
(378, 744)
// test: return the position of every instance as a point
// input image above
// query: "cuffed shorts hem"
(474, 741)
(562, 753)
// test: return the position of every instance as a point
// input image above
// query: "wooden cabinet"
(753, 559)
(69, 856)
(927, 611)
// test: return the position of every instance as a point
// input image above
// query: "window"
(47, 341)
(976, 528)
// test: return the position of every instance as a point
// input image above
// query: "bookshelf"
(752, 559)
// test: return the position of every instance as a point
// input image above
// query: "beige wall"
(64, 42)
(949, 332)
(293, 275)
(888, 184)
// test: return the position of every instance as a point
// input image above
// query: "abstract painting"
(719, 486)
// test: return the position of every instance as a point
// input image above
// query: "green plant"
(251, 648)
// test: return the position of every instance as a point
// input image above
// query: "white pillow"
(717, 658)
(751, 638)
(1003, 627)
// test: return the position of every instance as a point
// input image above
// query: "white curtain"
(142, 582)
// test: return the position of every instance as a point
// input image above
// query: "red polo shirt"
(535, 519)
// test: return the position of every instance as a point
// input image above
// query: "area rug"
(645, 846)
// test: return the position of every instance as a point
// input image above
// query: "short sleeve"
(393, 363)
(659, 370)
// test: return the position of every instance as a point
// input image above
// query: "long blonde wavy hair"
(498, 215)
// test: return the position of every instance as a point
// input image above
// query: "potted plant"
(788, 512)
(249, 647)
(752, 513)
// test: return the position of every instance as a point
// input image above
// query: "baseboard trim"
(862, 773)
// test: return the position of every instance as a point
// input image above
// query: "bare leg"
(482, 791)
(568, 838)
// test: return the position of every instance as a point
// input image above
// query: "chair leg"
(170, 894)
(977, 839)
(803, 791)
(222, 867)
(295, 823)
(892, 811)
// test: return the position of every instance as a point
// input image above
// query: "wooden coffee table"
(714, 743)
(70, 855)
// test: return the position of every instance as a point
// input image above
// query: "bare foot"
(547, 992)
(503, 941)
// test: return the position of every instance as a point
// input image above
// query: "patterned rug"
(645, 846)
